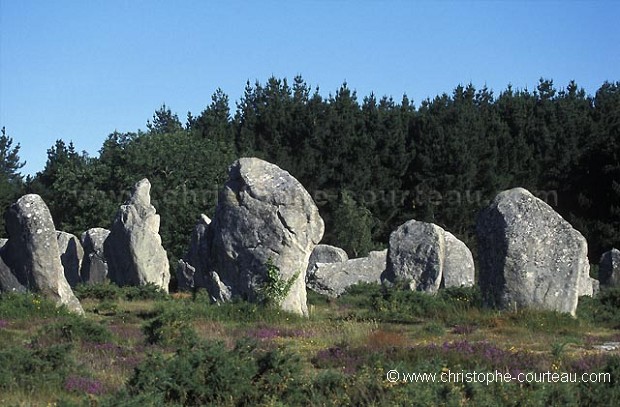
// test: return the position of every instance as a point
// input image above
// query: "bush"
(73, 328)
(604, 308)
(100, 291)
(238, 311)
(170, 327)
(209, 373)
(275, 288)
(112, 292)
(399, 304)
(34, 368)
(361, 295)
(28, 306)
(149, 291)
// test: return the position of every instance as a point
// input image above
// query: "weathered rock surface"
(588, 286)
(191, 268)
(609, 268)
(332, 279)
(416, 255)
(94, 265)
(428, 257)
(32, 251)
(458, 268)
(133, 249)
(264, 214)
(324, 253)
(71, 255)
(8, 282)
(529, 255)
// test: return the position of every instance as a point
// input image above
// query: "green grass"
(139, 347)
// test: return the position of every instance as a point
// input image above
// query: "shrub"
(239, 311)
(111, 292)
(100, 291)
(34, 367)
(148, 291)
(73, 328)
(361, 294)
(207, 374)
(275, 288)
(170, 327)
(399, 304)
(28, 306)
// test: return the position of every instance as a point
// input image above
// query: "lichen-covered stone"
(529, 255)
(133, 249)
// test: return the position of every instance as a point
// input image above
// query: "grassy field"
(139, 347)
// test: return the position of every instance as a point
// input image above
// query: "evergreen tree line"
(370, 164)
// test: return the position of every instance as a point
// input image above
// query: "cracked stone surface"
(133, 249)
(428, 258)
(530, 256)
(71, 256)
(94, 266)
(263, 214)
(32, 251)
(333, 278)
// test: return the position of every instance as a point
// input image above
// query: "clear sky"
(78, 70)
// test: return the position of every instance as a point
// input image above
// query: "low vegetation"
(138, 346)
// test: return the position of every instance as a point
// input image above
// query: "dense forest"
(370, 164)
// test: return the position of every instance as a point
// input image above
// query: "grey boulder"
(71, 255)
(609, 268)
(458, 268)
(32, 251)
(427, 258)
(264, 215)
(8, 282)
(191, 268)
(94, 265)
(529, 255)
(416, 255)
(133, 249)
(324, 253)
(332, 279)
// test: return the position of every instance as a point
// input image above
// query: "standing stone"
(8, 282)
(333, 279)
(94, 265)
(609, 268)
(71, 255)
(324, 253)
(133, 249)
(32, 251)
(264, 215)
(529, 255)
(458, 268)
(191, 268)
(416, 255)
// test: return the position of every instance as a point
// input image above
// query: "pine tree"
(11, 181)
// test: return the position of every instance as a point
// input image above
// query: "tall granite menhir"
(94, 266)
(71, 256)
(133, 249)
(264, 214)
(32, 252)
(529, 255)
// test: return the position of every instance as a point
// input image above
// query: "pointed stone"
(133, 249)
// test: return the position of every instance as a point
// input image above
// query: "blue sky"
(79, 70)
